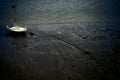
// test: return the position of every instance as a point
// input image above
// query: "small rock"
(30, 33)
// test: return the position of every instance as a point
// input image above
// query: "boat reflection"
(17, 34)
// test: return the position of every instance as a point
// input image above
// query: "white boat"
(17, 29)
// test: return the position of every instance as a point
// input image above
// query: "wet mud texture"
(80, 51)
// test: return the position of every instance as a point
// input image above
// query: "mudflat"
(78, 51)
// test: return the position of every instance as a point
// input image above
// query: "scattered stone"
(31, 33)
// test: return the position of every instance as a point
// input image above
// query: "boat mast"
(14, 9)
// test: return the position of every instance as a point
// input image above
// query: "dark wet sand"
(82, 51)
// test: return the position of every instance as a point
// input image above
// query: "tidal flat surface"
(79, 51)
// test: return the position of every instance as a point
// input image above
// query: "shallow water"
(59, 11)
(80, 51)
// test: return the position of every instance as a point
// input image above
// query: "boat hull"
(17, 32)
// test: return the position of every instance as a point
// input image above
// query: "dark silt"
(79, 51)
